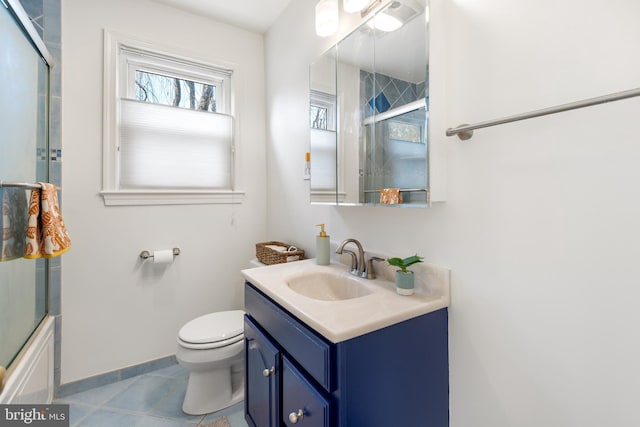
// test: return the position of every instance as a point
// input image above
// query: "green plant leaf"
(412, 260)
(402, 264)
(396, 262)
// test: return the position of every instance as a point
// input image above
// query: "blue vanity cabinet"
(394, 376)
(262, 362)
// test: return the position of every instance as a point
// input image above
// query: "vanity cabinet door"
(262, 369)
(313, 353)
(302, 403)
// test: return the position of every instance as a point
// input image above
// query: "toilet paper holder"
(147, 254)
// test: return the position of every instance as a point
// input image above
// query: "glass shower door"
(24, 103)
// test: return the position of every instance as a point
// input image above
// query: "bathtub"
(30, 377)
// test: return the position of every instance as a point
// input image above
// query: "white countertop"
(345, 319)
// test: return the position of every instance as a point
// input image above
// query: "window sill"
(171, 197)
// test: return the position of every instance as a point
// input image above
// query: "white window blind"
(323, 160)
(163, 147)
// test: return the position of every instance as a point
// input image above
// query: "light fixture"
(352, 6)
(395, 15)
(327, 14)
(385, 22)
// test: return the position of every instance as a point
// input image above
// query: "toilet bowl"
(211, 348)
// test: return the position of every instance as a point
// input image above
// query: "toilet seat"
(213, 330)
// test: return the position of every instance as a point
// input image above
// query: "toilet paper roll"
(163, 257)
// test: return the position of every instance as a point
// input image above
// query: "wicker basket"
(270, 256)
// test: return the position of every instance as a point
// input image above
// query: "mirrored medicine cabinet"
(368, 115)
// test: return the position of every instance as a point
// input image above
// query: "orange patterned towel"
(46, 234)
(390, 196)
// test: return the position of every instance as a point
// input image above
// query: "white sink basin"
(341, 306)
(326, 286)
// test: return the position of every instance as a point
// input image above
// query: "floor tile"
(235, 415)
(175, 371)
(77, 412)
(99, 395)
(153, 399)
(108, 418)
(170, 405)
(162, 422)
(144, 392)
(237, 419)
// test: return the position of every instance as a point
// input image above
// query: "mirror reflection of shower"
(378, 80)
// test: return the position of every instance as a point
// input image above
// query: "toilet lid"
(213, 327)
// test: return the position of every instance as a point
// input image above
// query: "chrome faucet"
(361, 264)
(354, 261)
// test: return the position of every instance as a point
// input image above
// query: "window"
(160, 89)
(318, 117)
(322, 111)
(168, 128)
(408, 132)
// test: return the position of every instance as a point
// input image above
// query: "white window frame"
(116, 68)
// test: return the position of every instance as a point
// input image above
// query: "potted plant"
(404, 277)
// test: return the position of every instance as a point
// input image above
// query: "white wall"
(540, 224)
(116, 311)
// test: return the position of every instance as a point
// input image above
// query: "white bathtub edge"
(30, 377)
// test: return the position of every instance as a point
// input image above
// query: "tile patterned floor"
(150, 400)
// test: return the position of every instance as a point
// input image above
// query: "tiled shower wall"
(45, 16)
(379, 92)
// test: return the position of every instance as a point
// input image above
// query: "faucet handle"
(370, 271)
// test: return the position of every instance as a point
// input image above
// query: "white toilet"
(211, 348)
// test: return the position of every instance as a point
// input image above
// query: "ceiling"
(254, 15)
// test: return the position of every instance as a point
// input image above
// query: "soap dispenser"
(322, 247)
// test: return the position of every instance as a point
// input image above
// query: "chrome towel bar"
(19, 184)
(465, 131)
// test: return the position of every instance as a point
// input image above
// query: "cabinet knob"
(294, 417)
(268, 372)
